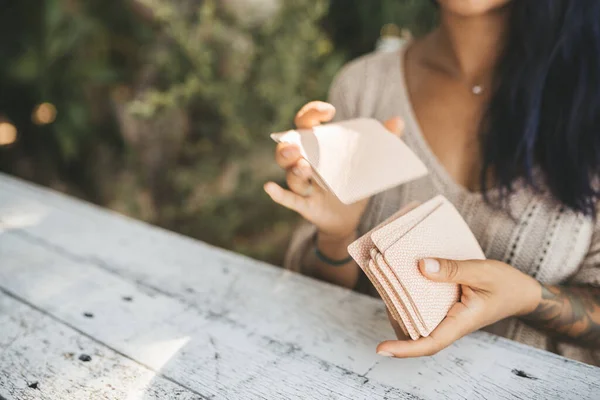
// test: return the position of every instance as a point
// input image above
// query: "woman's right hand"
(317, 205)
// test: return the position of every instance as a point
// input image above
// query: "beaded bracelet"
(322, 257)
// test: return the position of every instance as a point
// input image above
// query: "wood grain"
(223, 325)
(39, 359)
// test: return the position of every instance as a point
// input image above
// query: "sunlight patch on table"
(15, 219)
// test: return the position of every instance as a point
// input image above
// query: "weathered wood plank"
(308, 331)
(201, 275)
(39, 360)
(207, 352)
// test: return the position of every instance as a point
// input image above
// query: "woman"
(502, 103)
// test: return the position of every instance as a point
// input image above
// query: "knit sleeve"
(345, 90)
(589, 270)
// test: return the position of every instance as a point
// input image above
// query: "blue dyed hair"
(545, 109)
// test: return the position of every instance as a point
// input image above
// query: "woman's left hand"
(491, 291)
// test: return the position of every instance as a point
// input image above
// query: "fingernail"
(385, 353)
(268, 187)
(286, 153)
(431, 266)
(296, 171)
(324, 107)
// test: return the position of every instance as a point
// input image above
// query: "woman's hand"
(332, 217)
(491, 291)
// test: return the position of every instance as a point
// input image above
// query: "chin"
(471, 8)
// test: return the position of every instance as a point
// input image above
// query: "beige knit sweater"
(541, 238)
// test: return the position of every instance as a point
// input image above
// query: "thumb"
(395, 125)
(473, 273)
(314, 113)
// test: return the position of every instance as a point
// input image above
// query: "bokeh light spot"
(44, 114)
(8, 133)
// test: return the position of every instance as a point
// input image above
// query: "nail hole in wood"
(523, 374)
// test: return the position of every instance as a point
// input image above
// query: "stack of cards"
(389, 255)
(358, 158)
(355, 159)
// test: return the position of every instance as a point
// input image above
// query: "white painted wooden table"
(163, 316)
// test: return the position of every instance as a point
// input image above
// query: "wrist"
(336, 239)
(533, 297)
(333, 249)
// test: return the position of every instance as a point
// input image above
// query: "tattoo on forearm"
(570, 314)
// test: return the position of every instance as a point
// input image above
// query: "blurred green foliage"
(164, 106)
(68, 53)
